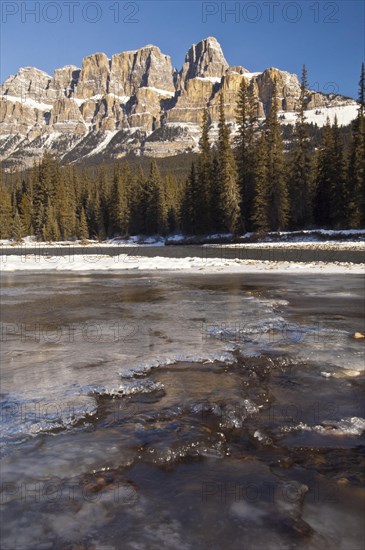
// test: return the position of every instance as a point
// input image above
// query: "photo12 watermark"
(24, 12)
(270, 12)
(89, 332)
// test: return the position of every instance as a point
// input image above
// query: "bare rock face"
(288, 89)
(63, 82)
(191, 102)
(135, 102)
(93, 77)
(204, 60)
(29, 82)
(316, 100)
(18, 118)
(66, 118)
(146, 67)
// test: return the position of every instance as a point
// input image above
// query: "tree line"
(252, 182)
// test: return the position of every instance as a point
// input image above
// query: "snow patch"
(345, 115)
(158, 90)
(29, 102)
(103, 144)
(213, 79)
(121, 98)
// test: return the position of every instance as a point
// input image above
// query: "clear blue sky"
(327, 36)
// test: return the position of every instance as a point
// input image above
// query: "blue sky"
(327, 36)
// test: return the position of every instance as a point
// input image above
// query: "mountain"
(136, 102)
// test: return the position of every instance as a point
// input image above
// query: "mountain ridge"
(137, 102)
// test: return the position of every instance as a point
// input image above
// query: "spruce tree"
(137, 201)
(83, 230)
(215, 195)
(300, 166)
(324, 179)
(99, 218)
(260, 211)
(120, 211)
(246, 116)
(356, 170)
(50, 230)
(338, 196)
(26, 207)
(277, 184)
(155, 214)
(17, 230)
(41, 183)
(203, 180)
(228, 191)
(66, 204)
(188, 209)
(172, 199)
(5, 211)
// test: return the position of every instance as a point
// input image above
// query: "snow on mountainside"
(137, 102)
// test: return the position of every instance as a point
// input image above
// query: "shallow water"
(182, 411)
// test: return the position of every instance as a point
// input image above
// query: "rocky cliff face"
(137, 102)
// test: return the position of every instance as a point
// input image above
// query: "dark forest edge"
(257, 183)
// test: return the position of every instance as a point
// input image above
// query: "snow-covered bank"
(123, 262)
(305, 238)
(297, 245)
(31, 242)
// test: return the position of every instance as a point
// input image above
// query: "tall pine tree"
(338, 191)
(246, 118)
(356, 171)
(188, 208)
(5, 210)
(228, 191)
(203, 180)
(260, 205)
(324, 179)
(155, 207)
(300, 166)
(119, 201)
(276, 169)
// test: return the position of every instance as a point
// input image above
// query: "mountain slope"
(136, 102)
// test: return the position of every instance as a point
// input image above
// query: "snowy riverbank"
(123, 262)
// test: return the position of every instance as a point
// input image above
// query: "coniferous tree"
(155, 213)
(215, 194)
(17, 230)
(172, 200)
(5, 210)
(356, 171)
(260, 212)
(41, 179)
(50, 230)
(324, 179)
(228, 191)
(248, 194)
(246, 117)
(119, 204)
(188, 208)
(138, 203)
(300, 166)
(337, 198)
(66, 205)
(83, 230)
(99, 218)
(104, 192)
(277, 184)
(25, 208)
(203, 180)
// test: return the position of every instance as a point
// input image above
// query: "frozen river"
(191, 411)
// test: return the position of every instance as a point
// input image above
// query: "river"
(189, 411)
